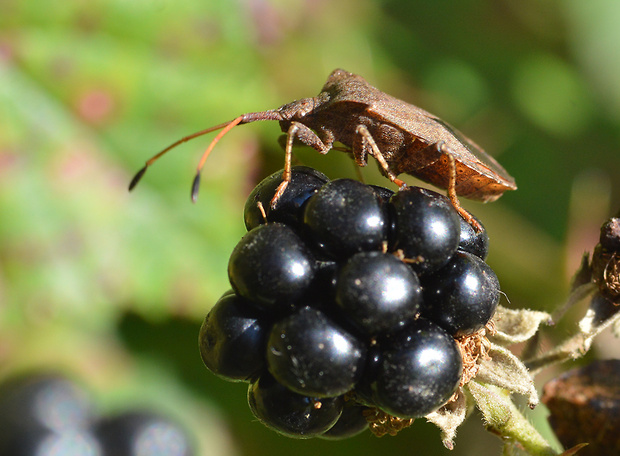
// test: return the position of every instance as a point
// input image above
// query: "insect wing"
(430, 129)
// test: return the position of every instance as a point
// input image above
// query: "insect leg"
(441, 146)
(308, 137)
(360, 153)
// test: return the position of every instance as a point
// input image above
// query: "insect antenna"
(203, 159)
(155, 157)
(225, 127)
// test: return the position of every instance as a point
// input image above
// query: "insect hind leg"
(451, 188)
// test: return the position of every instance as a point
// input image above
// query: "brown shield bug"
(401, 137)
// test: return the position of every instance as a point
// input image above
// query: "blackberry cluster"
(48, 415)
(347, 297)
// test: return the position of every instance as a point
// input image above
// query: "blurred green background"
(111, 287)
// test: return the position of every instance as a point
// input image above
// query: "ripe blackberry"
(352, 421)
(348, 290)
(472, 241)
(290, 413)
(462, 296)
(232, 338)
(426, 228)
(419, 369)
(378, 292)
(305, 182)
(311, 354)
(346, 217)
(271, 266)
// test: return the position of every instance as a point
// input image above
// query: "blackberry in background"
(47, 400)
(44, 415)
(140, 433)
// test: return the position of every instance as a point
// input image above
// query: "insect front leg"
(308, 137)
(363, 144)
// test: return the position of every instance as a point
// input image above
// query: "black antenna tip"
(195, 187)
(137, 178)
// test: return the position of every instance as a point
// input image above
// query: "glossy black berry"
(233, 337)
(311, 354)
(304, 183)
(383, 193)
(352, 421)
(472, 241)
(462, 296)
(345, 217)
(139, 433)
(427, 227)
(271, 266)
(378, 292)
(420, 368)
(289, 413)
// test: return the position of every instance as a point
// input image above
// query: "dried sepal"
(503, 369)
(473, 349)
(606, 272)
(514, 326)
(381, 423)
(606, 260)
(503, 418)
(449, 417)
